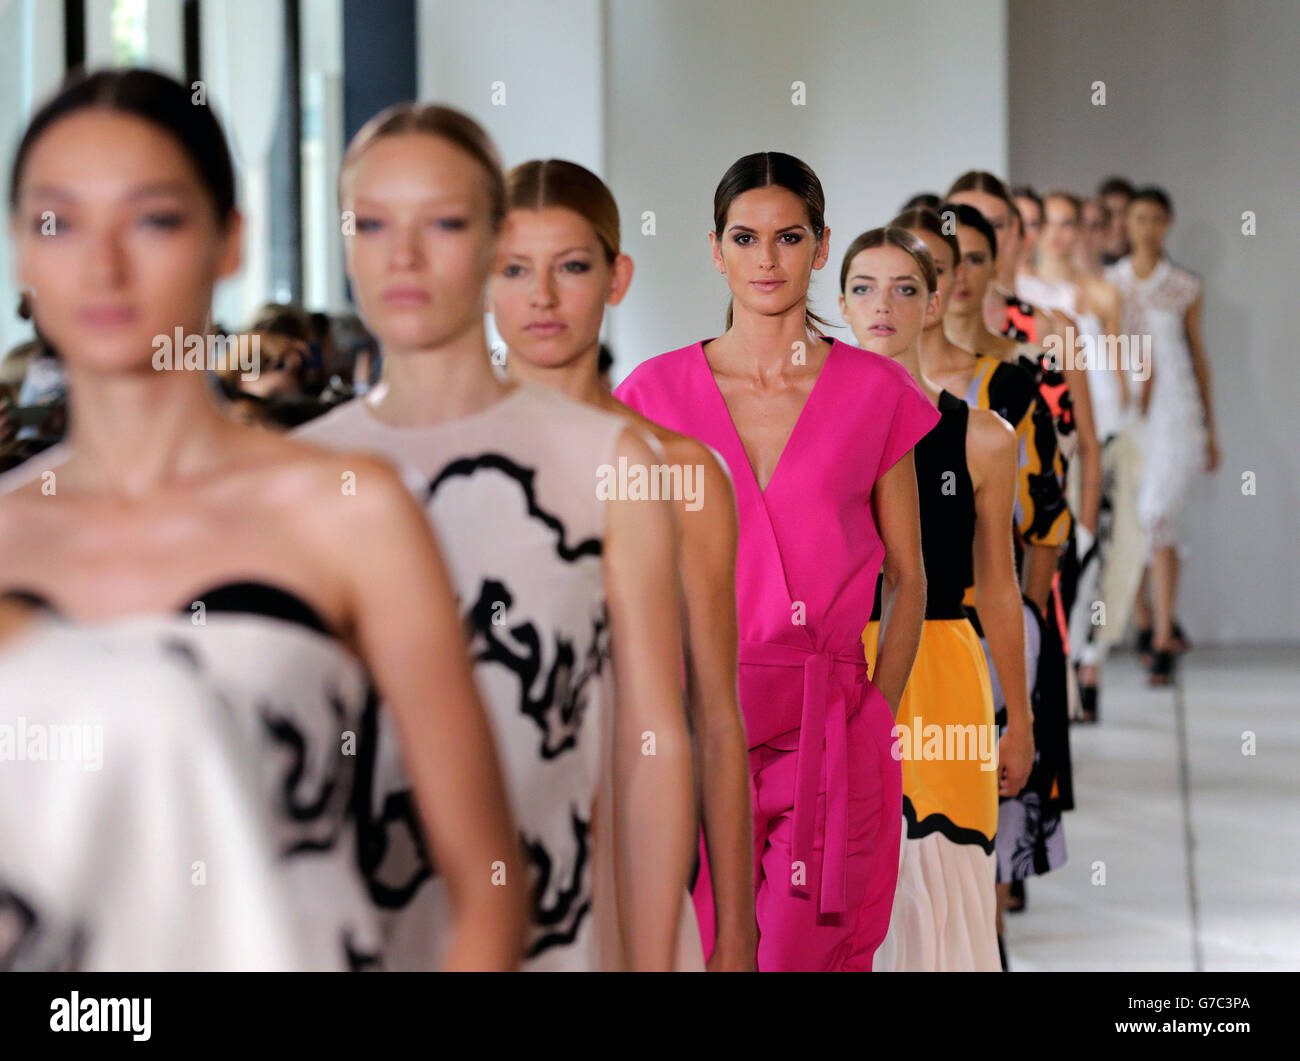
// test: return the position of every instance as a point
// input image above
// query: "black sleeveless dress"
(943, 916)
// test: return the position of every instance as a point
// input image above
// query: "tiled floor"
(1156, 882)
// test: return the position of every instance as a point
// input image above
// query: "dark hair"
(1076, 204)
(459, 130)
(537, 184)
(604, 360)
(921, 199)
(924, 219)
(967, 215)
(765, 169)
(892, 236)
(1026, 191)
(1115, 186)
(1152, 193)
(279, 318)
(164, 103)
(981, 180)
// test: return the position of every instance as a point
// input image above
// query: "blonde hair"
(538, 183)
(433, 119)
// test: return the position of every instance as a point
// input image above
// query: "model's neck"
(1056, 270)
(578, 378)
(1144, 260)
(131, 434)
(769, 346)
(967, 330)
(423, 387)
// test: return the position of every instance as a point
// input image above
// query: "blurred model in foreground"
(574, 631)
(227, 553)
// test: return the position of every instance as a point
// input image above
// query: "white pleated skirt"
(944, 916)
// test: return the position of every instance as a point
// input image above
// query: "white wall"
(1201, 97)
(659, 98)
(548, 56)
(900, 98)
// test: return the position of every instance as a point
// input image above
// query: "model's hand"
(736, 955)
(1015, 759)
(1211, 454)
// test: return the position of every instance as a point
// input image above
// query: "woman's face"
(885, 300)
(423, 245)
(768, 250)
(1092, 238)
(974, 272)
(1032, 217)
(1061, 229)
(117, 240)
(551, 285)
(944, 265)
(1000, 217)
(1148, 224)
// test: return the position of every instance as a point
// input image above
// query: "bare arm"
(718, 729)
(902, 596)
(653, 814)
(1201, 368)
(408, 631)
(991, 450)
(1089, 455)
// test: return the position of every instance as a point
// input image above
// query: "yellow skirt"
(947, 739)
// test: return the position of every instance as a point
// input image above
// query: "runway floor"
(1184, 852)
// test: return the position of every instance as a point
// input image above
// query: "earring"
(24, 306)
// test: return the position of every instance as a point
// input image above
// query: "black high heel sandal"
(1088, 704)
(1162, 668)
(1180, 642)
(1144, 645)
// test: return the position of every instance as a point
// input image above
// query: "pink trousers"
(792, 935)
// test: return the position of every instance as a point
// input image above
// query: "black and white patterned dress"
(512, 494)
(201, 819)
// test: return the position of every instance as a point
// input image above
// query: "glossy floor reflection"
(1161, 881)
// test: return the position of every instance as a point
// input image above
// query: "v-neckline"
(731, 423)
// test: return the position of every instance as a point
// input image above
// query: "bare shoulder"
(338, 490)
(990, 441)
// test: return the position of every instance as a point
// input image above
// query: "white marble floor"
(1184, 852)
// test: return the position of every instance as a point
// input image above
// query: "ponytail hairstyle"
(458, 129)
(538, 184)
(893, 236)
(765, 169)
(164, 103)
(981, 180)
(1153, 193)
(924, 219)
(970, 217)
(1076, 204)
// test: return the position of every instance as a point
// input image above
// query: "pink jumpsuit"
(827, 792)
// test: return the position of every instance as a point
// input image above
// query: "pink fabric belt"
(823, 730)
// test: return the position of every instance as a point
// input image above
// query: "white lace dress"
(1172, 433)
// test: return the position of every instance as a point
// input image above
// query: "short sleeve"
(913, 418)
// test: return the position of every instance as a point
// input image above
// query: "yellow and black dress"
(1031, 836)
(943, 915)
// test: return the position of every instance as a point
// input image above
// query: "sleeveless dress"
(512, 493)
(944, 916)
(1173, 435)
(826, 787)
(1030, 838)
(215, 831)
